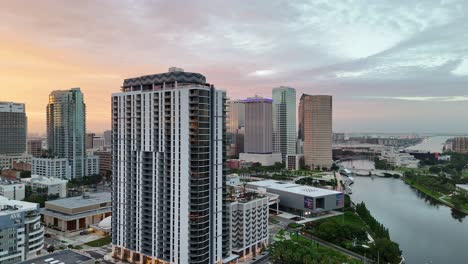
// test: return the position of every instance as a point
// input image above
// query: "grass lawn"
(325, 250)
(464, 207)
(423, 189)
(465, 174)
(348, 218)
(99, 242)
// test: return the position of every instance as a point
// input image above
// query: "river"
(427, 231)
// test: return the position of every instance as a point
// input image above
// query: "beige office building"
(315, 130)
(235, 115)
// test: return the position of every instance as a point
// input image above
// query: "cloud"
(350, 49)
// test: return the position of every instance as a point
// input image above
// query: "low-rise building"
(99, 142)
(294, 161)
(34, 147)
(266, 159)
(92, 165)
(12, 190)
(233, 180)
(6, 161)
(11, 174)
(21, 232)
(21, 166)
(300, 199)
(51, 167)
(54, 186)
(249, 224)
(77, 213)
(105, 162)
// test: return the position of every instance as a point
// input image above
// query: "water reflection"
(427, 231)
(458, 215)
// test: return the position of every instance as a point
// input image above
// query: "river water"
(427, 231)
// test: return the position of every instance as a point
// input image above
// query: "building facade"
(12, 190)
(89, 140)
(21, 232)
(460, 145)
(249, 225)
(107, 135)
(66, 129)
(34, 147)
(299, 199)
(294, 161)
(258, 125)
(284, 121)
(53, 186)
(7, 161)
(57, 168)
(105, 162)
(13, 128)
(168, 133)
(73, 214)
(235, 115)
(92, 165)
(315, 130)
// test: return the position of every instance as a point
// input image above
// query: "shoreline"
(431, 194)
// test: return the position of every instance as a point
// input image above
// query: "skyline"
(391, 66)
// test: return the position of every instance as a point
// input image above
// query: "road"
(340, 249)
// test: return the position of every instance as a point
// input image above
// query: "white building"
(55, 186)
(233, 180)
(6, 162)
(12, 190)
(51, 167)
(249, 224)
(400, 159)
(99, 142)
(300, 199)
(60, 167)
(168, 178)
(92, 165)
(21, 232)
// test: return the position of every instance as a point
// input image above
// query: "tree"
(386, 250)
(51, 249)
(335, 167)
(25, 174)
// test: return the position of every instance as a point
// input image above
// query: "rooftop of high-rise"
(174, 74)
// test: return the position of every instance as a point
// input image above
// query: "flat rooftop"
(8, 206)
(44, 180)
(80, 201)
(60, 257)
(292, 188)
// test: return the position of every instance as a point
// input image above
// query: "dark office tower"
(13, 128)
(66, 129)
(168, 148)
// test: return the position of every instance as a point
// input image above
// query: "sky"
(391, 65)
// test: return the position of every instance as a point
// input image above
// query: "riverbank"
(435, 195)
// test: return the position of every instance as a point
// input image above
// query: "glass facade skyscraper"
(284, 121)
(66, 129)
